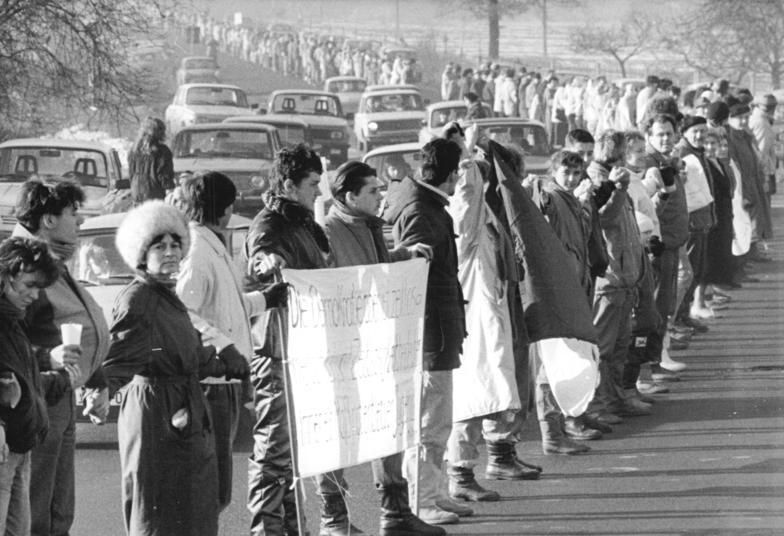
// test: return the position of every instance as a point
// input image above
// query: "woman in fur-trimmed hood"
(167, 450)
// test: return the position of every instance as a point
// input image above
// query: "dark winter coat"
(151, 173)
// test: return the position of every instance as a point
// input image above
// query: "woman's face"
(21, 290)
(724, 148)
(711, 146)
(164, 256)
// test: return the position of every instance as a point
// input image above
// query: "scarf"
(298, 214)
(374, 223)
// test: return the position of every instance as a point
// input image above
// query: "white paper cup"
(71, 333)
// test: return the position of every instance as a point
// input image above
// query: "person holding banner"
(417, 211)
(283, 234)
(210, 286)
(356, 238)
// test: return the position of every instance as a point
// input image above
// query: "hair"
(30, 256)
(472, 97)
(37, 199)
(440, 158)
(452, 128)
(661, 118)
(510, 73)
(152, 132)
(206, 196)
(567, 159)
(610, 147)
(350, 177)
(652, 80)
(630, 136)
(715, 133)
(468, 71)
(579, 135)
(294, 164)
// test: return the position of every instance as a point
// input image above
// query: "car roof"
(54, 142)
(506, 121)
(389, 149)
(226, 126)
(317, 92)
(282, 119)
(445, 104)
(223, 86)
(112, 221)
(379, 88)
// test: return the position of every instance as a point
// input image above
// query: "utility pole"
(544, 27)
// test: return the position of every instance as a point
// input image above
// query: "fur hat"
(142, 224)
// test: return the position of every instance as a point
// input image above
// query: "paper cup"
(71, 333)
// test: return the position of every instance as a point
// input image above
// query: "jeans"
(225, 401)
(52, 487)
(15, 495)
(435, 427)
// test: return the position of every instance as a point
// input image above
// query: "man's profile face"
(306, 192)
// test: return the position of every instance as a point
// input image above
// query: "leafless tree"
(622, 42)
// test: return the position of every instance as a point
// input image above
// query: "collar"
(433, 189)
(208, 235)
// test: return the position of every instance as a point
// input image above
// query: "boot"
(632, 406)
(667, 362)
(590, 422)
(575, 428)
(397, 518)
(334, 517)
(502, 464)
(554, 441)
(463, 485)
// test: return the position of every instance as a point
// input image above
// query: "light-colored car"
(204, 103)
(388, 116)
(323, 112)
(349, 89)
(93, 165)
(198, 69)
(242, 151)
(439, 114)
(99, 267)
(527, 134)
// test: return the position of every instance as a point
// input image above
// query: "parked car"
(322, 111)
(349, 89)
(93, 165)
(99, 267)
(204, 103)
(242, 151)
(527, 134)
(291, 130)
(198, 69)
(439, 114)
(388, 116)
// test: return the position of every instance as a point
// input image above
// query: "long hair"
(151, 134)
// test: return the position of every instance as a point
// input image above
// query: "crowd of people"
(311, 56)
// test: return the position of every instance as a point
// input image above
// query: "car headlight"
(372, 126)
(336, 135)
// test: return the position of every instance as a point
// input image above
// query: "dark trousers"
(225, 402)
(52, 472)
(665, 271)
(387, 472)
(271, 499)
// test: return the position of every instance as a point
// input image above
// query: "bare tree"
(729, 39)
(61, 58)
(622, 42)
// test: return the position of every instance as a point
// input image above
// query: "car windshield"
(98, 262)
(200, 63)
(292, 103)
(442, 116)
(223, 143)
(395, 166)
(394, 102)
(347, 86)
(216, 96)
(87, 167)
(291, 135)
(531, 138)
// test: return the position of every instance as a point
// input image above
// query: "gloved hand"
(276, 295)
(234, 362)
(655, 246)
(668, 174)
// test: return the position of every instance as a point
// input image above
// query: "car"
(204, 103)
(406, 54)
(242, 151)
(198, 69)
(388, 116)
(94, 166)
(324, 114)
(99, 267)
(349, 89)
(527, 134)
(291, 130)
(439, 114)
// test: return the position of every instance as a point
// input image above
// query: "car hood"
(316, 120)
(382, 116)
(217, 110)
(221, 164)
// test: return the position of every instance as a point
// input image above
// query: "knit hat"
(739, 109)
(692, 121)
(145, 222)
(718, 112)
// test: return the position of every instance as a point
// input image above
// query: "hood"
(221, 164)
(316, 120)
(405, 192)
(395, 116)
(217, 110)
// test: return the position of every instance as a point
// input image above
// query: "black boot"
(397, 518)
(334, 517)
(502, 464)
(463, 485)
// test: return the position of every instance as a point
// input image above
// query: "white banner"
(354, 361)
